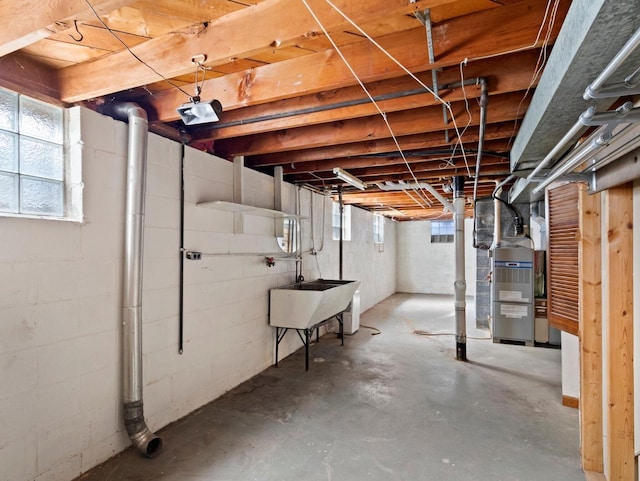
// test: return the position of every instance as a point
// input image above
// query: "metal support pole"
(460, 284)
(341, 229)
(426, 19)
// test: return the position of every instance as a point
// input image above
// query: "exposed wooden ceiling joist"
(512, 27)
(222, 40)
(502, 168)
(30, 21)
(427, 119)
(512, 73)
(409, 142)
(377, 161)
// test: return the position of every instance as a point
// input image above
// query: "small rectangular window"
(378, 229)
(32, 156)
(346, 222)
(442, 231)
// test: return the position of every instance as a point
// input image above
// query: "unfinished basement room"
(319, 240)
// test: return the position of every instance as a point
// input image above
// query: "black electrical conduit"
(311, 110)
(422, 153)
(181, 253)
(336, 105)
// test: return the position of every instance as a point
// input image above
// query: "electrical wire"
(450, 162)
(516, 215)
(405, 69)
(521, 49)
(540, 63)
(420, 332)
(134, 55)
(375, 329)
(383, 114)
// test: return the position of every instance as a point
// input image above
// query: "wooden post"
(619, 251)
(590, 330)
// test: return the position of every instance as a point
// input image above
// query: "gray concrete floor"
(395, 406)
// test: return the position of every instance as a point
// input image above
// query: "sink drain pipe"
(460, 284)
(141, 436)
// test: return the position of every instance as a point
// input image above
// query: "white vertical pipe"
(460, 284)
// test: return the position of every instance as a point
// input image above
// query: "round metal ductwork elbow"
(141, 436)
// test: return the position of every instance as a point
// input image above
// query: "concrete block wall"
(372, 264)
(423, 267)
(60, 302)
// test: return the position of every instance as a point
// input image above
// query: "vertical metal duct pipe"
(497, 219)
(460, 284)
(497, 212)
(484, 100)
(141, 436)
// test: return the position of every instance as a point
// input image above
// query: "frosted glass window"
(8, 111)
(346, 222)
(442, 231)
(41, 197)
(378, 229)
(41, 120)
(8, 192)
(8, 152)
(41, 159)
(32, 156)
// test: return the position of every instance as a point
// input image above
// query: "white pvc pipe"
(460, 284)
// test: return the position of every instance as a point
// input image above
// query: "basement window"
(378, 229)
(34, 170)
(346, 222)
(442, 231)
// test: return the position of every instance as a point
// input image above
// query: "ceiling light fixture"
(195, 111)
(348, 178)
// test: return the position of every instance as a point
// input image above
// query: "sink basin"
(302, 305)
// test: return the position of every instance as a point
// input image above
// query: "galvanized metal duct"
(484, 100)
(388, 186)
(141, 436)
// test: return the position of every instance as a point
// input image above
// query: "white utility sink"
(305, 304)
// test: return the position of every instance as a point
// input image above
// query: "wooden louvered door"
(562, 260)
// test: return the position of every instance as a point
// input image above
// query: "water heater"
(512, 294)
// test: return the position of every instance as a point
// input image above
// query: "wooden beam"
(21, 74)
(31, 20)
(505, 74)
(361, 162)
(590, 330)
(497, 170)
(620, 395)
(430, 166)
(427, 119)
(364, 109)
(512, 27)
(427, 140)
(223, 40)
